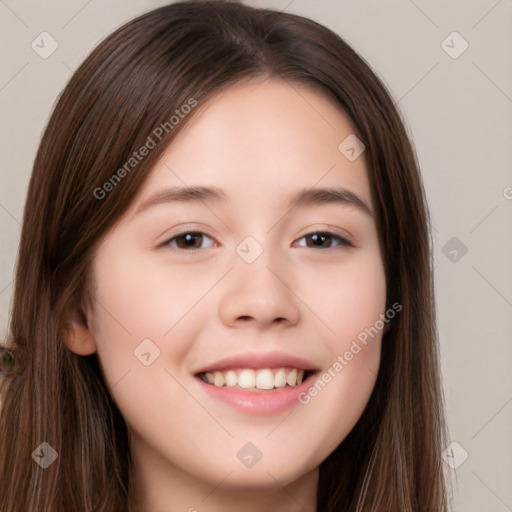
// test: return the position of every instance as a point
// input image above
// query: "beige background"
(459, 112)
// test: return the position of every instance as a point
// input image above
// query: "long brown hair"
(132, 83)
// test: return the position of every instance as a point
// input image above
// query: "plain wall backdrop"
(448, 64)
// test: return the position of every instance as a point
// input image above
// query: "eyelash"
(342, 241)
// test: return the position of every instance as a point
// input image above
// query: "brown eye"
(324, 240)
(189, 240)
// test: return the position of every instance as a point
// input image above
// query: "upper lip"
(260, 360)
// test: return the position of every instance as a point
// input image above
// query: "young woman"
(223, 296)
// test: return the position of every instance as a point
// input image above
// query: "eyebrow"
(184, 195)
(319, 196)
(305, 197)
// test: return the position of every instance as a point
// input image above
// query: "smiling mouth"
(260, 379)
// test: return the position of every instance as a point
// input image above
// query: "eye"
(189, 240)
(194, 240)
(324, 240)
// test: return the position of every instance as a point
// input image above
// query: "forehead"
(262, 139)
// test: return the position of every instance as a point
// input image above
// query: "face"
(232, 322)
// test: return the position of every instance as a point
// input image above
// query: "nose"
(260, 294)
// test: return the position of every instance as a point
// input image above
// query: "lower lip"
(260, 403)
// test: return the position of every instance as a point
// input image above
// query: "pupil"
(318, 239)
(190, 238)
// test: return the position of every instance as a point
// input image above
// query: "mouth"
(257, 383)
(256, 379)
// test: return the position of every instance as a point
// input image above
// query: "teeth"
(231, 379)
(263, 378)
(280, 378)
(247, 379)
(291, 378)
(218, 379)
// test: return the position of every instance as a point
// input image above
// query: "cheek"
(138, 301)
(347, 298)
(350, 301)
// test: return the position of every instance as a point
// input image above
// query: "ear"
(79, 337)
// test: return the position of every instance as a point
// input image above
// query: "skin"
(259, 141)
